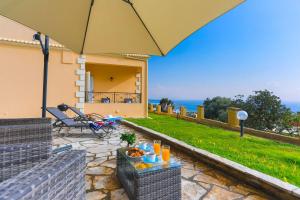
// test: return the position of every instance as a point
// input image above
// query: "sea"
(191, 105)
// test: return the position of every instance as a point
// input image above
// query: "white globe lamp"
(242, 116)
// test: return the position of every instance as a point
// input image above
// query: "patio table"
(157, 181)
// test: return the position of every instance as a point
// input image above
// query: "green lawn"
(274, 158)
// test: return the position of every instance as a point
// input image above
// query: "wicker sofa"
(29, 170)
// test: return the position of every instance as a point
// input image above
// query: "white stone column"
(80, 94)
(138, 86)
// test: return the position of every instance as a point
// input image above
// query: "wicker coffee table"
(161, 181)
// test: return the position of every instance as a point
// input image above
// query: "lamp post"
(177, 113)
(45, 50)
(242, 116)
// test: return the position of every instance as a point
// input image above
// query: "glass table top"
(141, 165)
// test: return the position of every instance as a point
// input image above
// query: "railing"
(112, 97)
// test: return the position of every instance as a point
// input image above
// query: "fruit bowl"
(135, 153)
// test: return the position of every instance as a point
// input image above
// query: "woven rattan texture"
(163, 184)
(59, 177)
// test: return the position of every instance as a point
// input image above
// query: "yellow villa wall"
(21, 73)
(124, 77)
(21, 81)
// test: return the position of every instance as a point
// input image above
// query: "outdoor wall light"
(242, 116)
(37, 36)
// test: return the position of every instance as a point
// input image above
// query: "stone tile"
(94, 145)
(111, 157)
(99, 171)
(226, 181)
(102, 149)
(209, 179)
(90, 154)
(118, 194)
(191, 191)
(88, 182)
(96, 195)
(205, 185)
(185, 158)
(187, 165)
(110, 163)
(106, 182)
(115, 138)
(201, 167)
(123, 144)
(57, 141)
(76, 139)
(93, 141)
(114, 142)
(77, 146)
(104, 154)
(188, 173)
(255, 197)
(89, 159)
(244, 190)
(97, 162)
(98, 150)
(219, 193)
(105, 191)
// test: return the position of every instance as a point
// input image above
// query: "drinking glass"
(156, 147)
(166, 152)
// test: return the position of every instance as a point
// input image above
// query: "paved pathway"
(198, 180)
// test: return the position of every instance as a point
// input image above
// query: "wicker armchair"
(23, 144)
(29, 170)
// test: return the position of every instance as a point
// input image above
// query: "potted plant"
(130, 138)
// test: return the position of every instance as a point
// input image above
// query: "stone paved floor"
(198, 180)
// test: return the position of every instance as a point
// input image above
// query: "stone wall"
(232, 125)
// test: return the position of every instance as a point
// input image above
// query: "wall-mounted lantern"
(242, 116)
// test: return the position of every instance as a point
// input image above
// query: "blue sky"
(255, 46)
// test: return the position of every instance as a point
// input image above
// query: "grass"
(277, 159)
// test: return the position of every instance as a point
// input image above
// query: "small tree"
(296, 122)
(266, 112)
(285, 122)
(238, 101)
(164, 103)
(216, 108)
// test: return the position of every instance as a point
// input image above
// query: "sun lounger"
(82, 116)
(62, 120)
(97, 117)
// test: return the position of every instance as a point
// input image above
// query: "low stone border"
(264, 182)
(250, 131)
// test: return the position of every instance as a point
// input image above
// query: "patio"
(199, 181)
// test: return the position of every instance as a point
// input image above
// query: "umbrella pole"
(45, 79)
(45, 50)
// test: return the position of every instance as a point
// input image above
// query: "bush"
(216, 108)
(164, 103)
